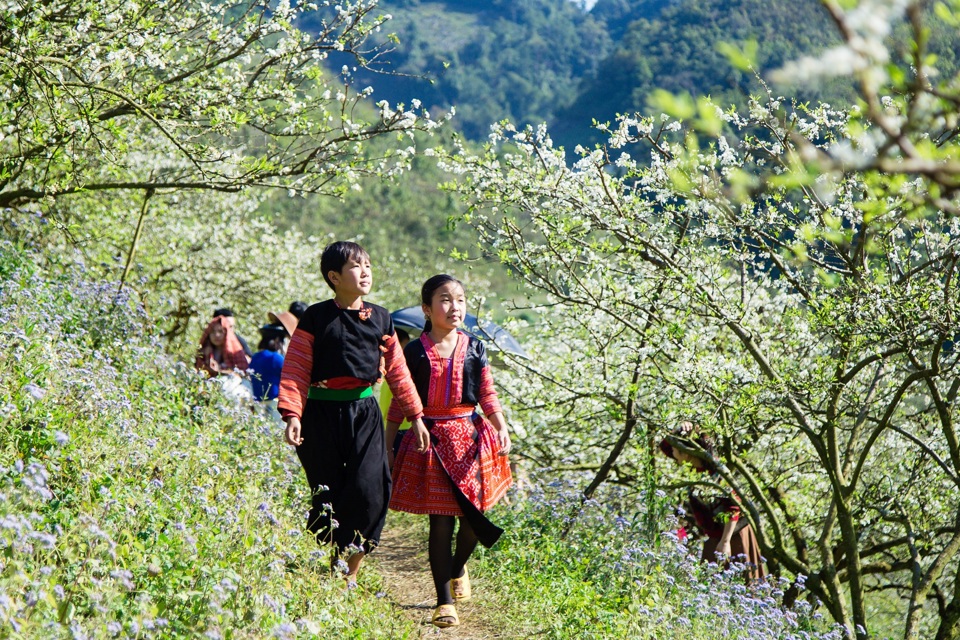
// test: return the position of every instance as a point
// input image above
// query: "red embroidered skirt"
(469, 448)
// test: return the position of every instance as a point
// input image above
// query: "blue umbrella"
(496, 337)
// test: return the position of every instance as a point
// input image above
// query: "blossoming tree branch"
(784, 276)
(174, 94)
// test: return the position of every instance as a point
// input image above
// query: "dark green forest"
(533, 61)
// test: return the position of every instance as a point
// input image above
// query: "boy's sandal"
(460, 587)
(445, 616)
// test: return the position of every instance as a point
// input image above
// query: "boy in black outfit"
(340, 349)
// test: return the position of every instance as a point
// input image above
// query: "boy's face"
(354, 279)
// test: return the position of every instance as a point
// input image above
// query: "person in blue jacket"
(267, 363)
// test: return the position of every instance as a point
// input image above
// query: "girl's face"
(218, 335)
(448, 307)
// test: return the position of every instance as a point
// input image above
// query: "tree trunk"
(850, 540)
(630, 421)
(949, 628)
(136, 240)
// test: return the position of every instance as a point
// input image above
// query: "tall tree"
(238, 94)
(785, 276)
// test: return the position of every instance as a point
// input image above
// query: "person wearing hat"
(267, 362)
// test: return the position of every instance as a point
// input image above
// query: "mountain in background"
(516, 59)
(533, 61)
(674, 46)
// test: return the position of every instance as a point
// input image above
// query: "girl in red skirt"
(464, 471)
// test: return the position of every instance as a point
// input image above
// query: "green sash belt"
(339, 395)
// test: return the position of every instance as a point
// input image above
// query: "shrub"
(134, 500)
(573, 569)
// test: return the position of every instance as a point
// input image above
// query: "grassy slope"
(571, 571)
(134, 501)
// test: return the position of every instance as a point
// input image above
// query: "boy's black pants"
(345, 460)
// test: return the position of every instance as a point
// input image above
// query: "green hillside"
(677, 51)
(533, 61)
(516, 59)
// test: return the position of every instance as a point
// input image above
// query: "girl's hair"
(272, 337)
(704, 441)
(429, 288)
(338, 254)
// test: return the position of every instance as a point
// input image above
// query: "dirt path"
(401, 559)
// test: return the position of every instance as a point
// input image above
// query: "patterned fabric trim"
(342, 382)
(398, 378)
(295, 375)
(394, 414)
(449, 413)
(446, 376)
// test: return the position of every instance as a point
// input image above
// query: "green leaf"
(744, 59)
(681, 107)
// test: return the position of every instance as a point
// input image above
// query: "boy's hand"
(293, 432)
(421, 434)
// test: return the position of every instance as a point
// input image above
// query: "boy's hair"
(338, 254)
(223, 311)
(298, 308)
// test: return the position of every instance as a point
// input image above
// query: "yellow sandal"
(460, 587)
(445, 616)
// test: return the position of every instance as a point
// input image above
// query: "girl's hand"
(504, 437)
(390, 458)
(293, 432)
(421, 435)
(724, 548)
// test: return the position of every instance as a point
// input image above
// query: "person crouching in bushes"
(464, 471)
(267, 362)
(718, 516)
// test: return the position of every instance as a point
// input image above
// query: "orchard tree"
(786, 278)
(140, 136)
(165, 95)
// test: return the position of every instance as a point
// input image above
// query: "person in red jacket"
(718, 517)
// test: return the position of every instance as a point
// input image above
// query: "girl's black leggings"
(444, 563)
